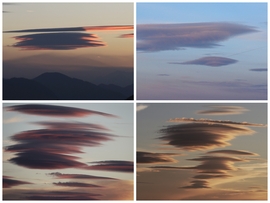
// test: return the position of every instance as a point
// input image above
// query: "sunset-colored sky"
(202, 151)
(82, 40)
(201, 51)
(68, 151)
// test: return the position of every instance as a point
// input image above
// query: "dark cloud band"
(148, 157)
(57, 41)
(53, 110)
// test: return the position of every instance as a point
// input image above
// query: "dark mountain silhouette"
(21, 88)
(120, 78)
(60, 87)
(127, 91)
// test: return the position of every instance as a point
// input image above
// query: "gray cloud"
(223, 110)
(148, 157)
(160, 37)
(209, 61)
(258, 69)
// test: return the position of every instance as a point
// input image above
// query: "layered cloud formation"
(64, 38)
(161, 37)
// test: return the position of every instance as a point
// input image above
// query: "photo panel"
(68, 151)
(68, 51)
(201, 51)
(201, 151)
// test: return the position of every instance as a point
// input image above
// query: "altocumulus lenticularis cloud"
(160, 37)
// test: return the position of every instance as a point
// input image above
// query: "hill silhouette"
(57, 86)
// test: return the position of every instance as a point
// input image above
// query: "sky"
(201, 51)
(201, 151)
(82, 40)
(68, 151)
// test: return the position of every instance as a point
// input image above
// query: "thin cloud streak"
(112, 165)
(211, 121)
(78, 176)
(213, 61)
(76, 184)
(150, 158)
(72, 29)
(223, 110)
(54, 110)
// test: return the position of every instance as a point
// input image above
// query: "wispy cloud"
(209, 61)
(160, 37)
(54, 110)
(141, 107)
(12, 120)
(223, 110)
(149, 158)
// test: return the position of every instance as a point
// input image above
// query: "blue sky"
(174, 71)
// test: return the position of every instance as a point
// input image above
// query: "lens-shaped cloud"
(160, 37)
(78, 176)
(54, 110)
(148, 157)
(233, 152)
(112, 165)
(72, 29)
(9, 182)
(57, 41)
(223, 110)
(209, 61)
(211, 121)
(76, 184)
(201, 136)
